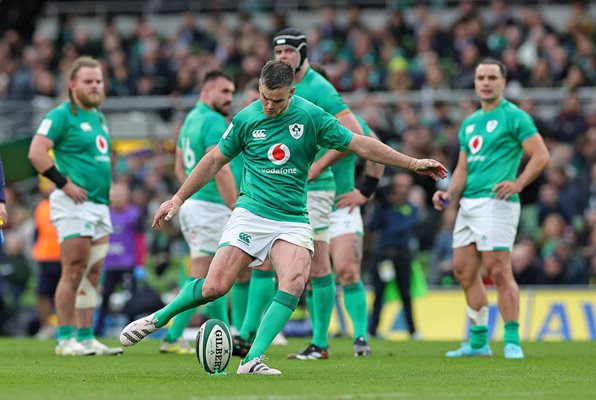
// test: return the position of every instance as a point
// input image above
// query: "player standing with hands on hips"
(492, 142)
(78, 134)
(270, 218)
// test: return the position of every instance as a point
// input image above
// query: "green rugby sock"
(260, 293)
(65, 332)
(239, 300)
(219, 309)
(85, 334)
(181, 320)
(478, 336)
(355, 301)
(512, 332)
(323, 290)
(276, 317)
(179, 324)
(190, 296)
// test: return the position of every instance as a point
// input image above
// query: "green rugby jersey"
(493, 144)
(343, 170)
(202, 129)
(81, 148)
(278, 153)
(318, 90)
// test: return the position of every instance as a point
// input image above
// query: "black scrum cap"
(293, 38)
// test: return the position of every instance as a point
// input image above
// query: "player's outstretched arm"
(348, 120)
(203, 172)
(376, 151)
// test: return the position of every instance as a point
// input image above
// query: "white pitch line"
(364, 396)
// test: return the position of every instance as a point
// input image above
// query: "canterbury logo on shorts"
(244, 238)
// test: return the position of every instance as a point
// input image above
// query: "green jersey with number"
(343, 170)
(278, 153)
(492, 142)
(201, 130)
(81, 148)
(318, 90)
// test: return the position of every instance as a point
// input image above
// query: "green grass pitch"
(397, 370)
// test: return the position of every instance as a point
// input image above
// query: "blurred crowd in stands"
(396, 55)
(557, 236)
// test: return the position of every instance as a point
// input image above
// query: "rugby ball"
(214, 346)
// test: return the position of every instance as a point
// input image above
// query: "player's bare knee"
(465, 278)
(348, 276)
(74, 277)
(499, 275)
(212, 291)
(294, 284)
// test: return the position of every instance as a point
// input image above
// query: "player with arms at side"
(346, 231)
(270, 218)
(492, 142)
(77, 132)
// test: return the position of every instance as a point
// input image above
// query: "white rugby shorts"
(320, 204)
(72, 220)
(489, 223)
(343, 222)
(202, 224)
(255, 235)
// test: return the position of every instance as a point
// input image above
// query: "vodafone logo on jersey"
(475, 144)
(102, 144)
(279, 154)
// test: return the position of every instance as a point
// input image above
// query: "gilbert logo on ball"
(214, 346)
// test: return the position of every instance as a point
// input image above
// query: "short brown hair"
(277, 74)
(492, 61)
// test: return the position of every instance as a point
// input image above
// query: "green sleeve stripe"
(74, 235)
(224, 244)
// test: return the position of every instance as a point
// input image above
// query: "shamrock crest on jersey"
(491, 125)
(296, 130)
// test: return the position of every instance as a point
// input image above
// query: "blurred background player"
(78, 134)
(394, 224)
(241, 288)
(290, 46)
(125, 262)
(46, 251)
(3, 216)
(345, 234)
(492, 142)
(206, 212)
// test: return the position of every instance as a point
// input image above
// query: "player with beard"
(206, 212)
(77, 132)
